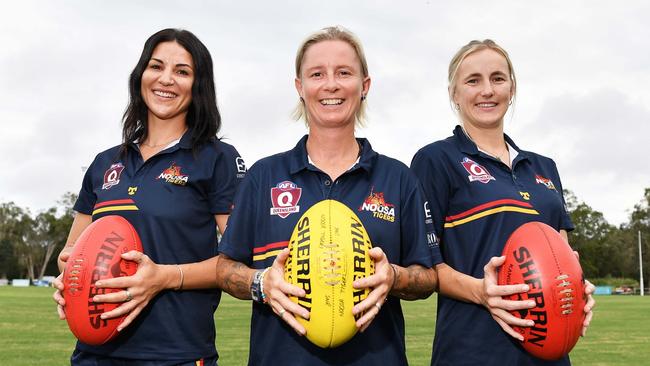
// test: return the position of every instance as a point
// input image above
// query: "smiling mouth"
(164, 94)
(486, 105)
(331, 101)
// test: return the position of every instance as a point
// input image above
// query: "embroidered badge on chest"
(284, 197)
(545, 181)
(476, 172)
(173, 175)
(112, 175)
(376, 203)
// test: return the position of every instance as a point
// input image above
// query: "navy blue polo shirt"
(171, 200)
(477, 202)
(278, 189)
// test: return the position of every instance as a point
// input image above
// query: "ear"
(365, 86)
(298, 84)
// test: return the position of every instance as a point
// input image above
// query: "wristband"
(394, 276)
(255, 287)
(180, 271)
(262, 294)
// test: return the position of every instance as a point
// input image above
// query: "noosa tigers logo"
(284, 198)
(173, 175)
(545, 181)
(376, 203)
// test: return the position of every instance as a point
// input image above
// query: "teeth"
(331, 101)
(164, 94)
(486, 105)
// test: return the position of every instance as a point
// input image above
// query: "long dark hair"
(203, 117)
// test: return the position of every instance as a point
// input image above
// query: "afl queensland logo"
(476, 171)
(285, 197)
(112, 175)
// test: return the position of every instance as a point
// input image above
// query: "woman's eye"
(183, 72)
(472, 81)
(155, 66)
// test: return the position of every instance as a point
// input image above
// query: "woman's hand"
(277, 292)
(380, 283)
(589, 306)
(499, 308)
(139, 289)
(58, 284)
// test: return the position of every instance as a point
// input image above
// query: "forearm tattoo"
(234, 277)
(415, 282)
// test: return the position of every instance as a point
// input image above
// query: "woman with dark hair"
(174, 181)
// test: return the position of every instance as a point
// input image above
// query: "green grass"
(31, 334)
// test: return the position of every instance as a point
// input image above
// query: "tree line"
(30, 243)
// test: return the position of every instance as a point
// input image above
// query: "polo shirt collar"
(469, 147)
(299, 160)
(186, 139)
(184, 143)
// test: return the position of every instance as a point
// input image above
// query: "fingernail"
(104, 317)
(531, 304)
(531, 323)
(525, 288)
(98, 283)
(95, 299)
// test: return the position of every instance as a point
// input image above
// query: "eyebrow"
(478, 74)
(177, 65)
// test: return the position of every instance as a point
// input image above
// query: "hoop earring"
(457, 106)
(363, 97)
(302, 100)
(510, 102)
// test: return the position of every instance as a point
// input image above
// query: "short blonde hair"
(335, 33)
(467, 50)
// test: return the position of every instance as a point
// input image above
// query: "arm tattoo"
(415, 282)
(234, 277)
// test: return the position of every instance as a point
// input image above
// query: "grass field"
(31, 334)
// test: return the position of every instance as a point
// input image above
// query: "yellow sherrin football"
(328, 251)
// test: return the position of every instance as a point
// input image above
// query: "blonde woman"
(332, 83)
(481, 186)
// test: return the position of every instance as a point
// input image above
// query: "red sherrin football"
(537, 255)
(95, 256)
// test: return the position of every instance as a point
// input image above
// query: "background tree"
(15, 227)
(640, 221)
(28, 245)
(599, 256)
(60, 231)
